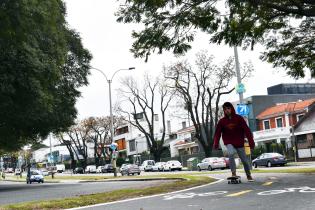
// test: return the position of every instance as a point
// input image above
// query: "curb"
(137, 179)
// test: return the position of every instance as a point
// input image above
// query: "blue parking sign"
(242, 109)
(113, 147)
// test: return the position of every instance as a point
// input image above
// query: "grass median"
(292, 170)
(180, 182)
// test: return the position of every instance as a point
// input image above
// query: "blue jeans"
(241, 154)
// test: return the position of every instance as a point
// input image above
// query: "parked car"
(9, 170)
(172, 165)
(227, 162)
(269, 159)
(159, 166)
(90, 169)
(17, 171)
(128, 169)
(108, 168)
(99, 169)
(147, 165)
(35, 176)
(78, 170)
(44, 171)
(60, 168)
(212, 163)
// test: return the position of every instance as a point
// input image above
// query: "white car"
(90, 169)
(45, 172)
(99, 169)
(211, 163)
(147, 165)
(35, 176)
(159, 166)
(172, 165)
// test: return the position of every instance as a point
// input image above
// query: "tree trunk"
(208, 150)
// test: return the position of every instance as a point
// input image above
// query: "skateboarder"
(233, 129)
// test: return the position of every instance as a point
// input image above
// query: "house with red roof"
(275, 122)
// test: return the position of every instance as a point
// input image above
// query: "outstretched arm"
(217, 135)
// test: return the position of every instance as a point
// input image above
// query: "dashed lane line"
(267, 183)
(239, 193)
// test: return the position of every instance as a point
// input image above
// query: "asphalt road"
(15, 192)
(269, 191)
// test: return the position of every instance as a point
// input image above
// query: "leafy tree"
(285, 27)
(42, 65)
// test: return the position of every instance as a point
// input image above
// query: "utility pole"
(241, 99)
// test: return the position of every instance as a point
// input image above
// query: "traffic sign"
(113, 146)
(240, 88)
(242, 109)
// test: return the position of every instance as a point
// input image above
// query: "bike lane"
(280, 191)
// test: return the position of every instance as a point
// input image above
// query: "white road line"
(150, 196)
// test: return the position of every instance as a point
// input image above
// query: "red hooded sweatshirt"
(233, 131)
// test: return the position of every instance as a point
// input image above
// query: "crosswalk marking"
(239, 193)
(267, 183)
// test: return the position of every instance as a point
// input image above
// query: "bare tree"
(201, 90)
(100, 134)
(153, 97)
(76, 139)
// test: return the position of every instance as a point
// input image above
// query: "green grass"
(293, 170)
(182, 182)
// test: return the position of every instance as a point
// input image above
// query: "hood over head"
(228, 104)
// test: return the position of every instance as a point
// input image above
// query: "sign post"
(114, 149)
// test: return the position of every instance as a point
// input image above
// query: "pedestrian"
(233, 129)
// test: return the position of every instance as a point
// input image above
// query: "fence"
(183, 158)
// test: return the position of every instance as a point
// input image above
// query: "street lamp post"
(109, 81)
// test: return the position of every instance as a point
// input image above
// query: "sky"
(109, 42)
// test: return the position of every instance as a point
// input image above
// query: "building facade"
(275, 123)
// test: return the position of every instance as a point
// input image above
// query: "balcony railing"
(272, 133)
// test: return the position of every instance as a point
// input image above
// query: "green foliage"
(258, 151)
(286, 28)
(43, 63)
(120, 161)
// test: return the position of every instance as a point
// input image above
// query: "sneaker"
(250, 178)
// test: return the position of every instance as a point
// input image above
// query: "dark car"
(108, 168)
(269, 159)
(129, 169)
(78, 170)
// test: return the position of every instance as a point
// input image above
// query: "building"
(185, 143)
(291, 88)
(275, 122)
(132, 141)
(304, 136)
(281, 93)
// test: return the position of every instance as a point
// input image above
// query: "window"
(132, 145)
(299, 117)
(279, 122)
(266, 124)
(301, 139)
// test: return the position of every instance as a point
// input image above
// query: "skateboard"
(234, 180)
